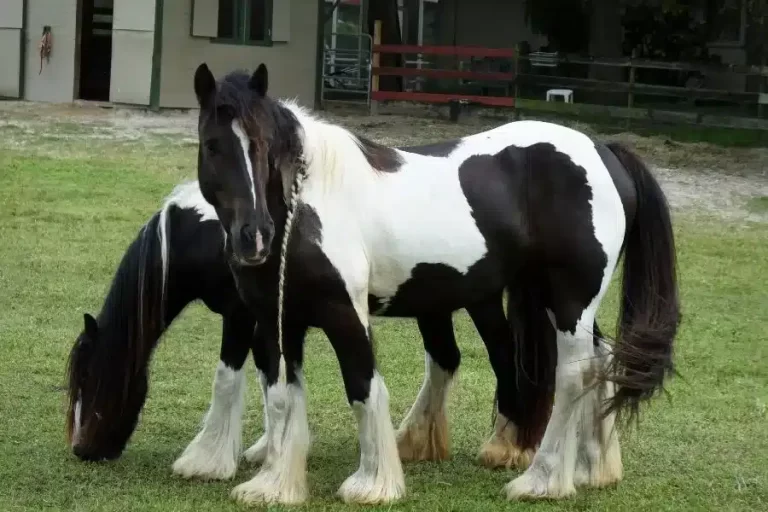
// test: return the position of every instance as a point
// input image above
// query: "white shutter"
(205, 18)
(281, 20)
(11, 13)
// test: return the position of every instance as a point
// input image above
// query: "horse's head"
(247, 142)
(105, 398)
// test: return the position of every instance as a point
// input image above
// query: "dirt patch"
(697, 177)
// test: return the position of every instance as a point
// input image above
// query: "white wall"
(56, 82)
(11, 19)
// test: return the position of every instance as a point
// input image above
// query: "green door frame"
(23, 50)
(157, 58)
(319, 51)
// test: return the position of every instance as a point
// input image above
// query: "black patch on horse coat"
(443, 148)
(538, 198)
(314, 285)
(382, 158)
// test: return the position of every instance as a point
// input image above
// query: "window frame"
(242, 25)
(734, 43)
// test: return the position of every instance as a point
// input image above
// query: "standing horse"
(533, 207)
(177, 258)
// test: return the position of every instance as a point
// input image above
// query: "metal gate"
(346, 72)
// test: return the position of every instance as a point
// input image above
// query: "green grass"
(758, 204)
(64, 224)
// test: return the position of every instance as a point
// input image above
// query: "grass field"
(70, 204)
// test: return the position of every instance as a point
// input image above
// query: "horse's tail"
(649, 313)
(532, 385)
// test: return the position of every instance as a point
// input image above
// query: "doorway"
(95, 49)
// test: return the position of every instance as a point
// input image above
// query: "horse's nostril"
(246, 234)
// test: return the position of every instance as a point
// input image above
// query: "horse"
(176, 258)
(319, 220)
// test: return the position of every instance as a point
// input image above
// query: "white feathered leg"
(283, 476)
(215, 451)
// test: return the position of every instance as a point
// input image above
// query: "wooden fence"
(517, 74)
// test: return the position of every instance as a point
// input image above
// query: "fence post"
(762, 97)
(374, 110)
(517, 79)
(631, 94)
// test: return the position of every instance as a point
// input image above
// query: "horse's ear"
(259, 80)
(91, 327)
(205, 84)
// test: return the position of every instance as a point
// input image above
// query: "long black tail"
(649, 314)
(531, 382)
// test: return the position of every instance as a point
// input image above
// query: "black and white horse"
(535, 208)
(178, 258)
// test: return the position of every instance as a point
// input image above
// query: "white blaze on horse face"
(78, 411)
(245, 144)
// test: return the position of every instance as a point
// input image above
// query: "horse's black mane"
(234, 94)
(130, 320)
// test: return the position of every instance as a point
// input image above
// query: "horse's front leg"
(261, 351)
(423, 433)
(282, 477)
(379, 479)
(215, 451)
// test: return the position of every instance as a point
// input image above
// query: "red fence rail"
(460, 74)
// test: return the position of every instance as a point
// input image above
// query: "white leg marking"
(423, 433)
(214, 452)
(599, 460)
(379, 478)
(257, 453)
(283, 476)
(550, 475)
(501, 449)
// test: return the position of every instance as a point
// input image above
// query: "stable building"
(145, 52)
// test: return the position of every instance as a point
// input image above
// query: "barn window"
(241, 21)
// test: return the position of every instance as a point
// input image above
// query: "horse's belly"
(429, 287)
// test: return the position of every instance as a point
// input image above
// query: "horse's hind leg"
(215, 451)
(598, 463)
(523, 375)
(552, 471)
(423, 433)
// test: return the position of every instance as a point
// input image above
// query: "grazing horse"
(326, 228)
(177, 258)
